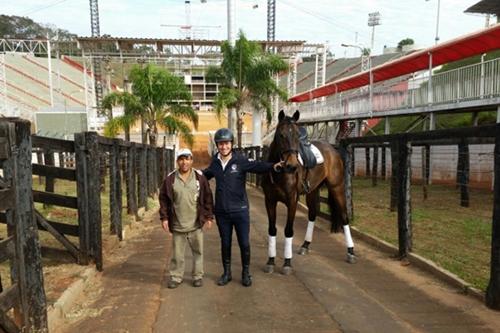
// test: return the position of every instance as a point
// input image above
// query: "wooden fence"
(21, 247)
(401, 147)
(139, 167)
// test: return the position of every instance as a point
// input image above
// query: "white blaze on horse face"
(271, 247)
(288, 247)
(348, 239)
(309, 231)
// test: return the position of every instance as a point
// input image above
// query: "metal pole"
(373, 40)
(437, 22)
(230, 23)
(49, 62)
(232, 117)
(371, 84)
(430, 96)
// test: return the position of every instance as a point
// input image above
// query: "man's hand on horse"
(164, 225)
(279, 166)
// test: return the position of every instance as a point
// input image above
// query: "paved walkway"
(324, 294)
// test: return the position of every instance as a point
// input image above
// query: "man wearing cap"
(186, 205)
(231, 202)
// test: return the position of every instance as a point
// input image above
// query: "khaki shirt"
(185, 202)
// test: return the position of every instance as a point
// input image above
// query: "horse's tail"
(336, 217)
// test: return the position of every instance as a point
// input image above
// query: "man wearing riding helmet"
(231, 202)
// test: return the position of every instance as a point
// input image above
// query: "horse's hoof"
(351, 258)
(303, 251)
(269, 269)
(287, 270)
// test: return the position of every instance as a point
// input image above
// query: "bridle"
(290, 151)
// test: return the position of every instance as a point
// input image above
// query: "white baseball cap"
(184, 152)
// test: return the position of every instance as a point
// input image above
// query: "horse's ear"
(281, 115)
(296, 115)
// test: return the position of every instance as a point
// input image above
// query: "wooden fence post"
(82, 198)
(27, 270)
(463, 168)
(103, 159)
(425, 172)
(142, 180)
(367, 160)
(89, 197)
(404, 198)
(383, 171)
(48, 157)
(493, 290)
(154, 171)
(131, 180)
(149, 172)
(375, 166)
(115, 189)
(394, 175)
(160, 157)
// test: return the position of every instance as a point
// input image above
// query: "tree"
(406, 41)
(132, 110)
(246, 79)
(165, 102)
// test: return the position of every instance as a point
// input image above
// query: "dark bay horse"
(286, 187)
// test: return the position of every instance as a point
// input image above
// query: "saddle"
(309, 157)
(309, 154)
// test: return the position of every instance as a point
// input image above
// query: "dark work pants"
(241, 223)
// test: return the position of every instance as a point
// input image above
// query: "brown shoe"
(173, 284)
(198, 283)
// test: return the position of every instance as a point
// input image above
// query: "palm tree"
(132, 110)
(165, 102)
(246, 79)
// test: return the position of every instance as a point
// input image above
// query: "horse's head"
(286, 140)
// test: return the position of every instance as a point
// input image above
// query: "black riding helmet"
(223, 134)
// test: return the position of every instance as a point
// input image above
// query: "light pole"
(436, 39)
(369, 73)
(373, 20)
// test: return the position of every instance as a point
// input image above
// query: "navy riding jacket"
(230, 191)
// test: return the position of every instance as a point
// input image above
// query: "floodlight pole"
(232, 119)
(373, 20)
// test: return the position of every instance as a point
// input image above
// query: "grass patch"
(60, 268)
(454, 237)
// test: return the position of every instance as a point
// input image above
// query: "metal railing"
(469, 83)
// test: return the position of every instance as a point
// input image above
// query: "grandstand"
(30, 89)
(28, 85)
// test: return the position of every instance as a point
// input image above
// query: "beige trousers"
(179, 241)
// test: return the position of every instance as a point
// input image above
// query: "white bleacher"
(27, 86)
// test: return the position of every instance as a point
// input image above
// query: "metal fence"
(469, 83)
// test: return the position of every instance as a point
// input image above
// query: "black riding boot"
(246, 278)
(226, 263)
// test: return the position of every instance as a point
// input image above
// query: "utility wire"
(37, 9)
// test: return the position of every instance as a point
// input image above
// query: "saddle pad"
(317, 153)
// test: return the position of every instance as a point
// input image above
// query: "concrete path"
(324, 294)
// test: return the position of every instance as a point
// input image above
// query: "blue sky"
(332, 21)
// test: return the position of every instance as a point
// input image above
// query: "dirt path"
(324, 294)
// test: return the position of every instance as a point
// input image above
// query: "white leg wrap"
(271, 247)
(288, 247)
(348, 237)
(309, 232)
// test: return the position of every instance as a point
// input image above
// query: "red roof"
(479, 42)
